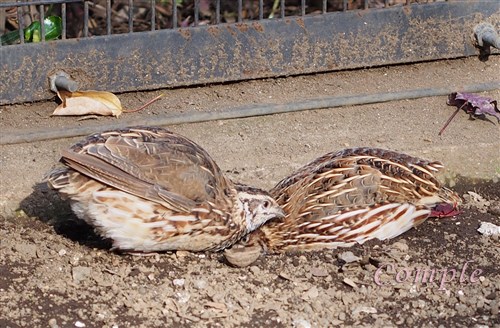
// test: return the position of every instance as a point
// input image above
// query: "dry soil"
(54, 272)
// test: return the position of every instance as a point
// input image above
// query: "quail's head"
(258, 206)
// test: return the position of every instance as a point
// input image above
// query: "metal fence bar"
(108, 17)
(85, 19)
(261, 9)
(20, 21)
(324, 7)
(64, 23)
(217, 12)
(130, 16)
(240, 11)
(282, 8)
(41, 9)
(174, 14)
(196, 12)
(303, 7)
(153, 15)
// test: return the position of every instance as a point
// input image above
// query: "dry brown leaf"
(87, 103)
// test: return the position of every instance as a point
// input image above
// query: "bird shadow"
(46, 205)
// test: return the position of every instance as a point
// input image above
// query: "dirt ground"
(54, 272)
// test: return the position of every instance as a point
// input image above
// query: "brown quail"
(149, 189)
(349, 197)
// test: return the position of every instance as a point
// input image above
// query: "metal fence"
(137, 45)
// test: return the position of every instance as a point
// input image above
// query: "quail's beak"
(279, 213)
(275, 213)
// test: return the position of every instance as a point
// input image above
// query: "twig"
(143, 106)
(451, 117)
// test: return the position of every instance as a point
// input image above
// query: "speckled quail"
(349, 197)
(149, 189)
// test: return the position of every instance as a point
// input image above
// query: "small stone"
(349, 282)
(255, 270)
(494, 308)
(79, 324)
(348, 257)
(182, 254)
(491, 296)
(53, 323)
(80, 273)
(179, 282)
(200, 284)
(495, 208)
(301, 323)
(312, 293)
(319, 272)
(401, 246)
(489, 229)
(183, 297)
(364, 309)
(62, 252)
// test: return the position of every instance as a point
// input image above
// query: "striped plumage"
(349, 197)
(149, 189)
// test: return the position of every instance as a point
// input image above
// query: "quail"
(348, 197)
(148, 189)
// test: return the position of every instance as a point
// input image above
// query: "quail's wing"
(152, 163)
(363, 176)
(353, 196)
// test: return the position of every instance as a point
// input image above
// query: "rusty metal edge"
(250, 50)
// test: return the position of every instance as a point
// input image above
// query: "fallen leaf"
(474, 105)
(88, 103)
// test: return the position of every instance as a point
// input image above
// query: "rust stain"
(300, 21)
(231, 31)
(213, 30)
(242, 27)
(258, 27)
(185, 33)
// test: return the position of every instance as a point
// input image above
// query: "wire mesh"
(81, 18)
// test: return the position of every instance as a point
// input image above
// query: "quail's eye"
(267, 204)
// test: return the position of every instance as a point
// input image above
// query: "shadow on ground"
(46, 205)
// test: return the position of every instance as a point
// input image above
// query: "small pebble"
(301, 323)
(200, 284)
(348, 257)
(53, 323)
(255, 270)
(179, 282)
(319, 272)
